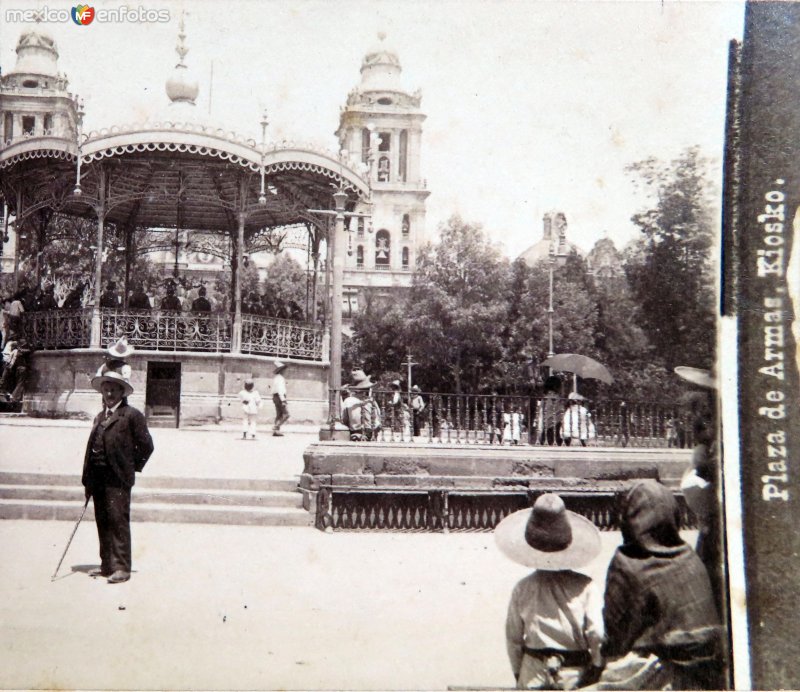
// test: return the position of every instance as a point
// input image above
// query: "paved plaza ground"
(240, 607)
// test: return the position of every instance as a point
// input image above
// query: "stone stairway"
(175, 500)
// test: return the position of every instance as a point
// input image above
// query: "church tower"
(34, 103)
(382, 124)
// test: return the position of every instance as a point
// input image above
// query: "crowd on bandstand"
(170, 296)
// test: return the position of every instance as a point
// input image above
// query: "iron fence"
(159, 330)
(444, 510)
(58, 329)
(520, 420)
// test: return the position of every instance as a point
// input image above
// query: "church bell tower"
(382, 124)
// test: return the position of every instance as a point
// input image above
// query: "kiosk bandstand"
(173, 173)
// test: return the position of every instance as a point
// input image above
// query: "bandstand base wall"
(60, 385)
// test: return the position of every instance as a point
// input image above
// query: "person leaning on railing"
(139, 299)
(360, 412)
(550, 413)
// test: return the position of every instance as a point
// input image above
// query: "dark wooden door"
(163, 394)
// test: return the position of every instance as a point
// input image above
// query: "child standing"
(251, 402)
(554, 626)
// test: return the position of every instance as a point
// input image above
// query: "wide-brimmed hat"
(548, 537)
(415, 388)
(112, 376)
(574, 396)
(121, 349)
(395, 383)
(698, 376)
(360, 380)
(279, 365)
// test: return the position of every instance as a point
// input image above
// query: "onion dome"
(37, 54)
(180, 87)
(380, 69)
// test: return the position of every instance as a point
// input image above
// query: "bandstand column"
(338, 258)
(236, 336)
(94, 339)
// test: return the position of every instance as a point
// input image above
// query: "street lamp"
(337, 254)
(554, 258)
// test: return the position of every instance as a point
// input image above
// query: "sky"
(531, 106)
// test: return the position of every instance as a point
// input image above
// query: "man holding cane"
(119, 445)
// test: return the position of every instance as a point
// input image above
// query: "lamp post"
(336, 241)
(554, 258)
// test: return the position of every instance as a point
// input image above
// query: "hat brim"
(360, 385)
(98, 380)
(509, 535)
(129, 351)
(698, 376)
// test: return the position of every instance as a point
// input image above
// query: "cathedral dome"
(37, 54)
(380, 69)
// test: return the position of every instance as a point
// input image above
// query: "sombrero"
(548, 537)
(279, 365)
(698, 376)
(360, 380)
(121, 349)
(112, 376)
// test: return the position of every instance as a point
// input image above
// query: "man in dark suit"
(119, 445)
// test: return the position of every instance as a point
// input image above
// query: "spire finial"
(181, 48)
(382, 35)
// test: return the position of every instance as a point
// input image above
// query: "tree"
(457, 308)
(286, 281)
(672, 275)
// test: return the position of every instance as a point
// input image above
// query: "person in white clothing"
(279, 398)
(577, 422)
(251, 403)
(554, 625)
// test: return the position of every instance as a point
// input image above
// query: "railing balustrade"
(523, 420)
(159, 330)
(283, 338)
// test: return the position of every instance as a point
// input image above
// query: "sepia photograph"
(381, 345)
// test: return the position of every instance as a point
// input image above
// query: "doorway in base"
(163, 394)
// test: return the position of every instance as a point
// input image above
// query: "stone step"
(153, 482)
(167, 513)
(238, 498)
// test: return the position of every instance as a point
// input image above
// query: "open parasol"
(582, 366)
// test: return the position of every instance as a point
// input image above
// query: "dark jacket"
(658, 596)
(128, 444)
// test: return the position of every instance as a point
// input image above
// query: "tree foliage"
(672, 271)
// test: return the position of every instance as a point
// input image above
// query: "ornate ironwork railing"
(421, 509)
(174, 331)
(277, 337)
(522, 420)
(58, 329)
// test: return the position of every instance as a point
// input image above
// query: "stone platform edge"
(481, 467)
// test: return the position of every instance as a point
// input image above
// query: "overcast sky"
(531, 106)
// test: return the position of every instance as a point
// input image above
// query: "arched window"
(360, 226)
(360, 257)
(406, 225)
(383, 169)
(382, 249)
(405, 258)
(28, 124)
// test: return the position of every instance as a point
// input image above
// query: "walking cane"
(72, 535)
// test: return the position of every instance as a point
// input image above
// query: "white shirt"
(554, 610)
(251, 400)
(279, 386)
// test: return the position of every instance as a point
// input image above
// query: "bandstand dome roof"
(176, 170)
